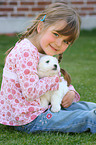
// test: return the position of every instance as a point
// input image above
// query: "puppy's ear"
(67, 77)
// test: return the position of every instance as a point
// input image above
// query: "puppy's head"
(48, 66)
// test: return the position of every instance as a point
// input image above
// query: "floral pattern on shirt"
(20, 92)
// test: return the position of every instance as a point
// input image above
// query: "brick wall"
(14, 13)
(29, 8)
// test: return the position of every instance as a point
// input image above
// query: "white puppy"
(48, 66)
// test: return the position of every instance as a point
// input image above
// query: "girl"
(51, 33)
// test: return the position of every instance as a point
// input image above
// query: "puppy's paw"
(44, 105)
(55, 109)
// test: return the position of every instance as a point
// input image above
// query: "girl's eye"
(56, 34)
(47, 61)
(66, 42)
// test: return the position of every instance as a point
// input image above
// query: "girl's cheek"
(64, 48)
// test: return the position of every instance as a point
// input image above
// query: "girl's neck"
(35, 42)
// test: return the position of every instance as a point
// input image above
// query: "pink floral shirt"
(21, 87)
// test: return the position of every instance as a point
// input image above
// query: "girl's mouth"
(52, 48)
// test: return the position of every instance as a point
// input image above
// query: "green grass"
(80, 61)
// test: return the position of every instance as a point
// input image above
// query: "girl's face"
(50, 42)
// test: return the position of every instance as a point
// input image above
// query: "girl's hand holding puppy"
(68, 99)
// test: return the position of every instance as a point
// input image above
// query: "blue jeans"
(77, 118)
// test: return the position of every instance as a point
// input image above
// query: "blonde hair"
(56, 12)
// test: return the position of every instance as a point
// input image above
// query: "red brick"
(6, 9)
(82, 7)
(27, 3)
(82, 14)
(12, 3)
(93, 13)
(37, 9)
(30, 15)
(22, 9)
(17, 15)
(89, 8)
(44, 3)
(3, 3)
(90, 2)
(77, 2)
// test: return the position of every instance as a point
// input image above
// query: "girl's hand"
(68, 99)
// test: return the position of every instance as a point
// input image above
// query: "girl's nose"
(59, 42)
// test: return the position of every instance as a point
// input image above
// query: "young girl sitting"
(51, 33)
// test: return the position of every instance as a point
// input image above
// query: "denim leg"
(82, 105)
(77, 118)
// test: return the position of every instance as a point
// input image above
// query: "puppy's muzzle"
(55, 67)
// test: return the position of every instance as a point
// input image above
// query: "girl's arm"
(26, 68)
(70, 97)
(77, 96)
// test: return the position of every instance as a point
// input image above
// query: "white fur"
(47, 67)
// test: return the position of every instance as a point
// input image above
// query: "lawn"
(80, 61)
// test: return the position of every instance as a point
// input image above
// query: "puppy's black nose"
(55, 67)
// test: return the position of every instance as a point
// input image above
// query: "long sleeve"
(77, 96)
(27, 60)
(21, 87)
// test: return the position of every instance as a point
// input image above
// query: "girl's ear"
(40, 27)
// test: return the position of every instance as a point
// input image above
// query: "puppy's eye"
(47, 61)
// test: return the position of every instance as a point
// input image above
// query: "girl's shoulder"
(25, 44)
(24, 47)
